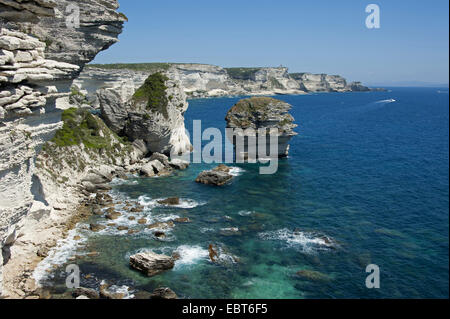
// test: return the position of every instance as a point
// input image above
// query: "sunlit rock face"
(256, 116)
(203, 80)
(153, 113)
(40, 54)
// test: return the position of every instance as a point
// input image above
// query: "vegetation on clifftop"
(242, 73)
(255, 109)
(146, 67)
(153, 92)
(80, 126)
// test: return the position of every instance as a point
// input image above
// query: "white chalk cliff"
(202, 80)
(40, 55)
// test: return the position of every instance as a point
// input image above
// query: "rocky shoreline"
(205, 81)
(57, 153)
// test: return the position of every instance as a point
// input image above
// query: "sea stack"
(154, 114)
(261, 114)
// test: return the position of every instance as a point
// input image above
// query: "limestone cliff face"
(262, 113)
(201, 80)
(40, 54)
(323, 82)
(154, 113)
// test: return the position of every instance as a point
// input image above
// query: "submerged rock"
(213, 255)
(86, 292)
(172, 201)
(142, 221)
(96, 227)
(163, 293)
(160, 234)
(106, 294)
(113, 215)
(261, 114)
(166, 225)
(151, 264)
(313, 275)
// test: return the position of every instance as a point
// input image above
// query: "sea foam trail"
(190, 255)
(386, 101)
(185, 203)
(306, 242)
(245, 213)
(59, 255)
(236, 171)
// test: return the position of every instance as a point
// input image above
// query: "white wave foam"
(191, 254)
(189, 203)
(59, 255)
(307, 242)
(166, 218)
(124, 290)
(246, 213)
(206, 230)
(236, 171)
(185, 203)
(120, 181)
(146, 201)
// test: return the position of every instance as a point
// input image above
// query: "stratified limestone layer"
(40, 55)
(261, 114)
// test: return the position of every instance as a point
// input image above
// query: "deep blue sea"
(366, 182)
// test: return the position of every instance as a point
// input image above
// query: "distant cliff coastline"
(202, 80)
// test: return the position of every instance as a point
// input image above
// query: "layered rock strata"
(154, 114)
(260, 115)
(40, 54)
(201, 80)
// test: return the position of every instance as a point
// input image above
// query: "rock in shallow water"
(151, 264)
(313, 275)
(163, 293)
(172, 201)
(218, 176)
(96, 227)
(86, 292)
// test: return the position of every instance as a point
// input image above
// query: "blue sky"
(325, 36)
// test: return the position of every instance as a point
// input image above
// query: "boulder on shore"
(151, 264)
(153, 168)
(179, 164)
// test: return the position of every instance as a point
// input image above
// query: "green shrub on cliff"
(80, 126)
(147, 67)
(153, 93)
(242, 73)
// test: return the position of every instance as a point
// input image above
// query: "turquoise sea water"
(366, 182)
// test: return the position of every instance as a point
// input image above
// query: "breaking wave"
(307, 242)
